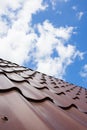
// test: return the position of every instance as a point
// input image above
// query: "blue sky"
(46, 35)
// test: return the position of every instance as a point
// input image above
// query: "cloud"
(46, 45)
(3, 28)
(49, 40)
(74, 7)
(79, 15)
(17, 39)
(63, 0)
(57, 66)
(83, 72)
(55, 2)
(11, 4)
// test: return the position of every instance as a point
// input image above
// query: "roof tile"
(35, 101)
(14, 77)
(5, 83)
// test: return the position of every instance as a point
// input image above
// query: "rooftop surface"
(30, 100)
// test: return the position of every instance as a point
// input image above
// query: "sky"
(46, 35)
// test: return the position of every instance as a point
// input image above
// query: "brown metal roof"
(30, 100)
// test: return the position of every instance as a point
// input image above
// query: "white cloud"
(3, 28)
(19, 42)
(63, 0)
(16, 43)
(74, 7)
(58, 65)
(83, 72)
(79, 15)
(13, 4)
(55, 2)
(50, 39)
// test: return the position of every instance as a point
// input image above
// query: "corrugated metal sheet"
(30, 100)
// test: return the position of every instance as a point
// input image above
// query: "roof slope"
(30, 100)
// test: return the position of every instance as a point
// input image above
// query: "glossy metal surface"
(30, 100)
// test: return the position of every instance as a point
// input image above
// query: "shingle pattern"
(30, 100)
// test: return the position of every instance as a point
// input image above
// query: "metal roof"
(30, 100)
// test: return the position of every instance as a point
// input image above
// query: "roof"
(30, 100)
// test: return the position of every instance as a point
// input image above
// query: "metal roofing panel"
(17, 114)
(30, 100)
